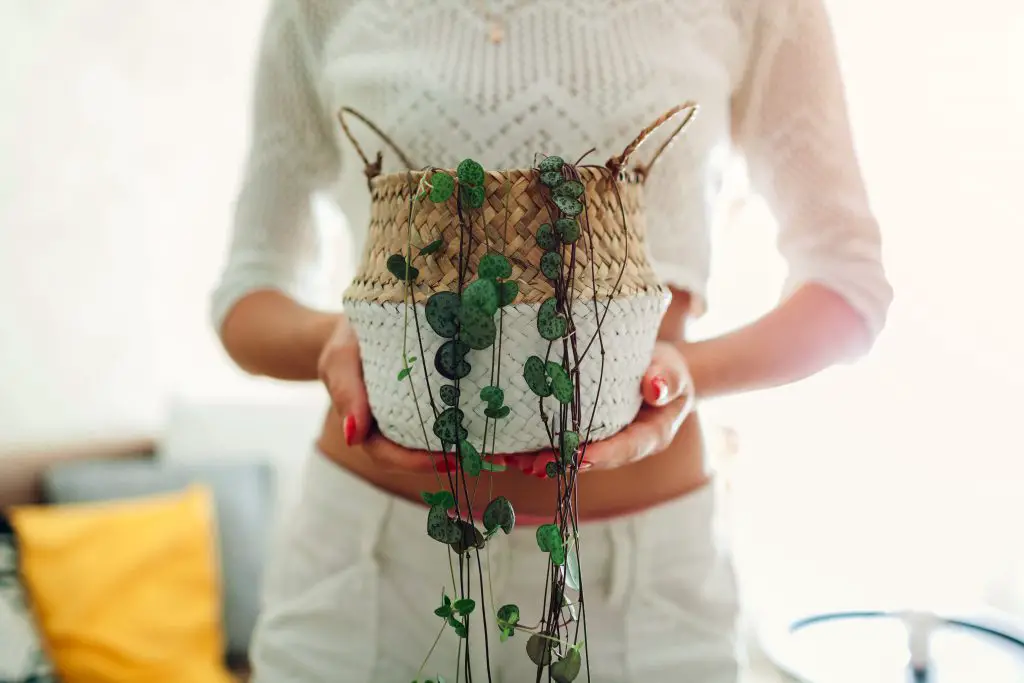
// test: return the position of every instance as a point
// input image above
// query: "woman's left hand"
(668, 399)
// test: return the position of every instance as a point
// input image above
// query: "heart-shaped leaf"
(570, 188)
(448, 425)
(440, 526)
(470, 537)
(548, 537)
(552, 163)
(551, 265)
(397, 266)
(464, 606)
(494, 265)
(567, 205)
(507, 292)
(561, 383)
(536, 376)
(570, 444)
(572, 569)
(450, 361)
(499, 413)
(478, 328)
(473, 197)
(493, 396)
(499, 515)
(471, 461)
(538, 648)
(449, 394)
(443, 498)
(552, 179)
(546, 238)
(566, 669)
(470, 173)
(442, 187)
(508, 616)
(481, 294)
(550, 324)
(568, 230)
(442, 313)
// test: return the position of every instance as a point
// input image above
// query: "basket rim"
(588, 174)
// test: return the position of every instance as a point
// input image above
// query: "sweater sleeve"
(275, 243)
(790, 121)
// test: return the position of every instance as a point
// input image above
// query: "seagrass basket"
(610, 296)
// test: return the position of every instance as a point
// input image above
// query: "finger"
(391, 456)
(667, 378)
(343, 378)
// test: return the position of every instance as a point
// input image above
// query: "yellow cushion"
(127, 591)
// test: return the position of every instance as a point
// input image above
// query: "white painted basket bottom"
(629, 333)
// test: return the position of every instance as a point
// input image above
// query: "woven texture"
(629, 332)
(614, 233)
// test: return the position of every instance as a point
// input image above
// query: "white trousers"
(352, 587)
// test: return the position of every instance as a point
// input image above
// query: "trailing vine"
(469, 319)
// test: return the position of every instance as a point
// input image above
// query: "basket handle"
(372, 169)
(616, 164)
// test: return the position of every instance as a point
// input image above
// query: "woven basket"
(613, 282)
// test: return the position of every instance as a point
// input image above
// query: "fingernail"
(660, 389)
(584, 466)
(350, 429)
(444, 466)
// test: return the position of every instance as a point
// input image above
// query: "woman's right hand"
(341, 370)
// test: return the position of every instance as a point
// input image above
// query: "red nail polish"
(350, 429)
(445, 466)
(660, 389)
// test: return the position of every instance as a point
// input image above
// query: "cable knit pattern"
(570, 76)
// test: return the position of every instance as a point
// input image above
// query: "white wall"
(122, 129)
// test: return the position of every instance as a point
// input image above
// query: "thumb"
(667, 378)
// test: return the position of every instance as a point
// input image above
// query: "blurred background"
(892, 482)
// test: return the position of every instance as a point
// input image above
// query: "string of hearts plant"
(464, 299)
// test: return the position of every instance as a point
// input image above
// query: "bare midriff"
(672, 473)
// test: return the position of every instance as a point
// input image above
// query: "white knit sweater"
(568, 76)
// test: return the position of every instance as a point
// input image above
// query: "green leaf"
(494, 265)
(497, 413)
(570, 188)
(551, 265)
(550, 324)
(448, 425)
(546, 238)
(493, 396)
(499, 514)
(449, 394)
(462, 631)
(552, 470)
(397, 265)
(536, 377)
(548, 537)
(507, 292)
(473, 197)
(403, 373)
(561, 383)
(538, 648)
(570, 443)
(572, 569)
(453, 622)
(450, 360)
(444, 611)
(443, 498)
(482, 294)
(440, 527)
(469, 538)
(465, 606)
(567, 205)
(432, 247)
(558, 555)
(444, 597)
(442, 187)
(508, 616)
(471, 461)
(552, 179)
(568, 230)
(552, 163)
(566, 669)
(505, 635)
(478, 328)
(470, 173)
(442, 313)
(488, 466)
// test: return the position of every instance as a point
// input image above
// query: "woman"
(351, 590)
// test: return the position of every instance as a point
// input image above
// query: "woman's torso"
(568, 77)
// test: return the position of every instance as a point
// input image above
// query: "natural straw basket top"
(516, 205)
